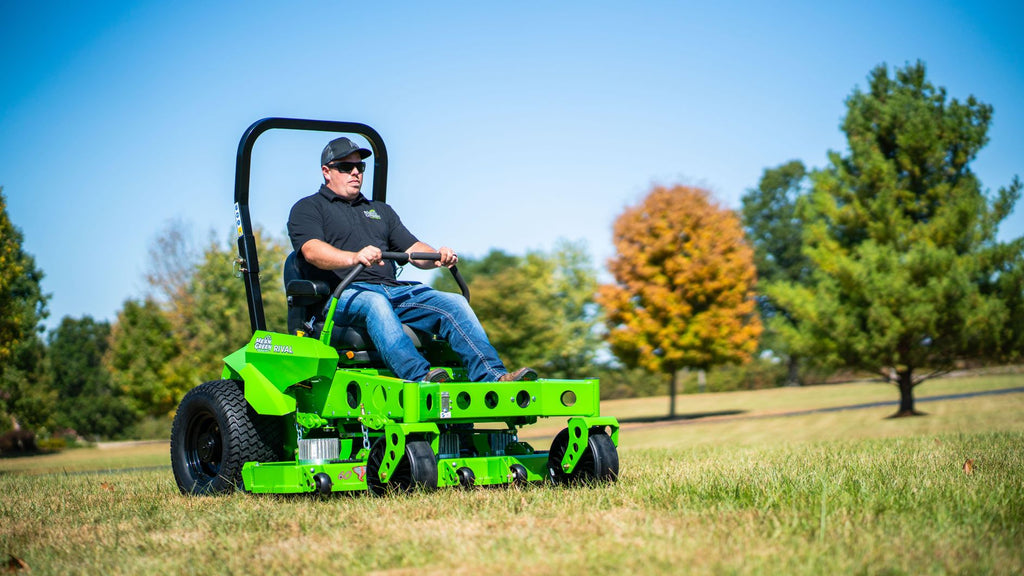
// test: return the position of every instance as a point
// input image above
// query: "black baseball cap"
(339, 148)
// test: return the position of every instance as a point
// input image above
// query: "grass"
(818, 493)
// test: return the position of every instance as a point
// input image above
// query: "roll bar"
(249, 264)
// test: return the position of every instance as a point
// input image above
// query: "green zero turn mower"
(315, 409)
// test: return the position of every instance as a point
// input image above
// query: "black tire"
(215, 432)
(467, 478)
(416, 469)
(598, 463)
(519, 474)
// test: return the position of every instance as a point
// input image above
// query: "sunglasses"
(347, 167)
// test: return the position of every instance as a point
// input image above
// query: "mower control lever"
(404, 257)
(401, 258)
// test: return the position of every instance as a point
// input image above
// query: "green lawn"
(822, 493)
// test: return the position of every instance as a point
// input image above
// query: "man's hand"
(369, 256)
(448, 257)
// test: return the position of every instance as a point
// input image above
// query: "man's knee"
(450, 301)
(370, 305)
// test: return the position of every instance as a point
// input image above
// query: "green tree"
(474, 269)
(89, 402)
(24, 394)
(538, 310)
(26, 397)
(143, 348)
(775, 230)
(908, 272)
(683, 295)
(772, 224)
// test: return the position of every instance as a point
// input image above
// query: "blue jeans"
(383, 309)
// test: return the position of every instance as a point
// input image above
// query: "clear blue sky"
(508, 124)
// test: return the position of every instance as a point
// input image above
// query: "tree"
(908, 276)
(684, 279)
(775, 230)
(772, 224)
(538, 309)
(140, 359)
(22, 302)
(24, 395)
(196, 315)
(89, 401)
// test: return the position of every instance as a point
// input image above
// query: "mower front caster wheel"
(599, 461)
(416, 469)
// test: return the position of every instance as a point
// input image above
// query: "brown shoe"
(521, 375)
(438, 375)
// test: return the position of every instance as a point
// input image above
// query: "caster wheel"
(599, 461)
(519, 475)
(416, 469)
(323, 483)
(466, 477)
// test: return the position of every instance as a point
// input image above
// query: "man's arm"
(327, 257)
(448, 256)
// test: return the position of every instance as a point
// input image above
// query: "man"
(337, 228)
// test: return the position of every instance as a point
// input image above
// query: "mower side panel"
(499, 401)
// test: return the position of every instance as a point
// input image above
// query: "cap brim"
(363, 153)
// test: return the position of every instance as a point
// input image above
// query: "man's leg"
(449, 316)
(364, 306)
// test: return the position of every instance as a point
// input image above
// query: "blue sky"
(508, 125)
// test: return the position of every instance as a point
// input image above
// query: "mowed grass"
(819, 493)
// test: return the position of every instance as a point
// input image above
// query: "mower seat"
(306, 300)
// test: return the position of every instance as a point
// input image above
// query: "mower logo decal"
(372, 214)
(238, 220)
(359, 471)
(266, 344)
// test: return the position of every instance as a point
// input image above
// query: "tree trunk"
(905, 382)
(673, 380)
(793, 372)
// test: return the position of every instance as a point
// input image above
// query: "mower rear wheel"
(215, 432)
(416, 469)
(599, 461)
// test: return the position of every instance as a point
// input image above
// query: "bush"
(756, 374)
(150, 428)
(621, 382)
(52, 444)
(18, 442)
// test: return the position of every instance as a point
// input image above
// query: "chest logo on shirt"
(372, 214)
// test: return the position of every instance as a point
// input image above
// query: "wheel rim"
(204, 447)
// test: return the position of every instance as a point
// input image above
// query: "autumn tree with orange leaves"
(683, 295)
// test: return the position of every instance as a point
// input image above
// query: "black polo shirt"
(350, 226)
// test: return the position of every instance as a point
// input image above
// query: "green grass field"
(752, 490)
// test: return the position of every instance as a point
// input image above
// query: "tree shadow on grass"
(677, 417)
